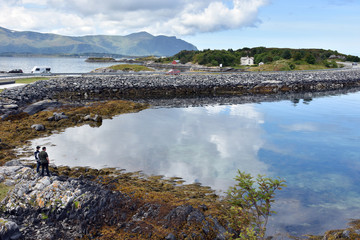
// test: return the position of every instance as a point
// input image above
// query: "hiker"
(36, 153)
(44, 160)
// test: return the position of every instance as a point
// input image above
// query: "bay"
(57, 64)
(313, 144)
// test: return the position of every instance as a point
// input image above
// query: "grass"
(3, 191)
(30, 80)
(130, 67)
(287, 65)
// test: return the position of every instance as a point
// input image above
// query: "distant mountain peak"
(140, 34)
(135, 44)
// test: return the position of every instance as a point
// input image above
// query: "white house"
(247, 60)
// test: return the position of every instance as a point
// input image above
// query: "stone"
(41, 105)
(170, 237)
(9, 230)
(11, 106)
(38, 127)
(96, 118)
(57, 116)
(14, 162)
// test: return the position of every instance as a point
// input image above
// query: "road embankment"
(159, 86)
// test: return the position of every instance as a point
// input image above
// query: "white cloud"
(77, 17)
(302, 127)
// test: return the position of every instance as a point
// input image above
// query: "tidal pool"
(312, 144)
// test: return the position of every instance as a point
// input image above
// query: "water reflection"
(197, 144)
(313, 145)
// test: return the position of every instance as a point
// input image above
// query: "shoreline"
(143, 87)
(79, 91)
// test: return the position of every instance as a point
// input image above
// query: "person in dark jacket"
(36, 153)
(44, 160)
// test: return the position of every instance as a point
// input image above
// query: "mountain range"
(136, 44)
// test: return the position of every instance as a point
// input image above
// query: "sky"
(213, 24)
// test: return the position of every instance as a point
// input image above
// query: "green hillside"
(137, 44)
(274, 59)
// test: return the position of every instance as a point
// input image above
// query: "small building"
(261, 63)
(247, 60)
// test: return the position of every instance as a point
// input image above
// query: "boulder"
(97, 118)
(57, 117)
(15, 162)
(11, 106)
(38, 127)
(9, 230)
(42, 105)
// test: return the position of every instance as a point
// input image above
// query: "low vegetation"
(130, 67)
(250, 203)
(30, 80)
(100, 59)
(3, 191)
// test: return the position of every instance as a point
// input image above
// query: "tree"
(251, 203)
(310, 59)
(286, 54)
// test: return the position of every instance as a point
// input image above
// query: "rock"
(9, 182)
(170, 237)
(57, 116)
(346, 234)
(97, 118)
(11, 106)
(38, 127)
(13, 163)
(41, 105)
(9, 230)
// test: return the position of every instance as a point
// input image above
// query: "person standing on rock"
(44, 160)
(36, 153)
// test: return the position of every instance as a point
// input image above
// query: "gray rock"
(9, 230)
(42, 105)
(9, 182)
(14, 162)
(57, 116)
(170, 237)
(346, 234)
(38, 127)
(96, 118)
(11, 106)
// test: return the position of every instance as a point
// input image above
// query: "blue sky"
(214, 24)
(296, 24)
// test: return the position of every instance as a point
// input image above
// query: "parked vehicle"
(16, 71)
(37, 69)
(173, 72)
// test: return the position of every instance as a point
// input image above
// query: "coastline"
(137, 87)
(79, 91)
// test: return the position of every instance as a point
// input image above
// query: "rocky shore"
(63, 207)
(98, 204)
(160, 86)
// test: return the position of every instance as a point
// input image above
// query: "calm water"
(58, 65)
(313, 145)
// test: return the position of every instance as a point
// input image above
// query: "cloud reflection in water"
(197, 144)
(314, 147)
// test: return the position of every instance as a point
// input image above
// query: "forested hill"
(261, 54)
(136, 44)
